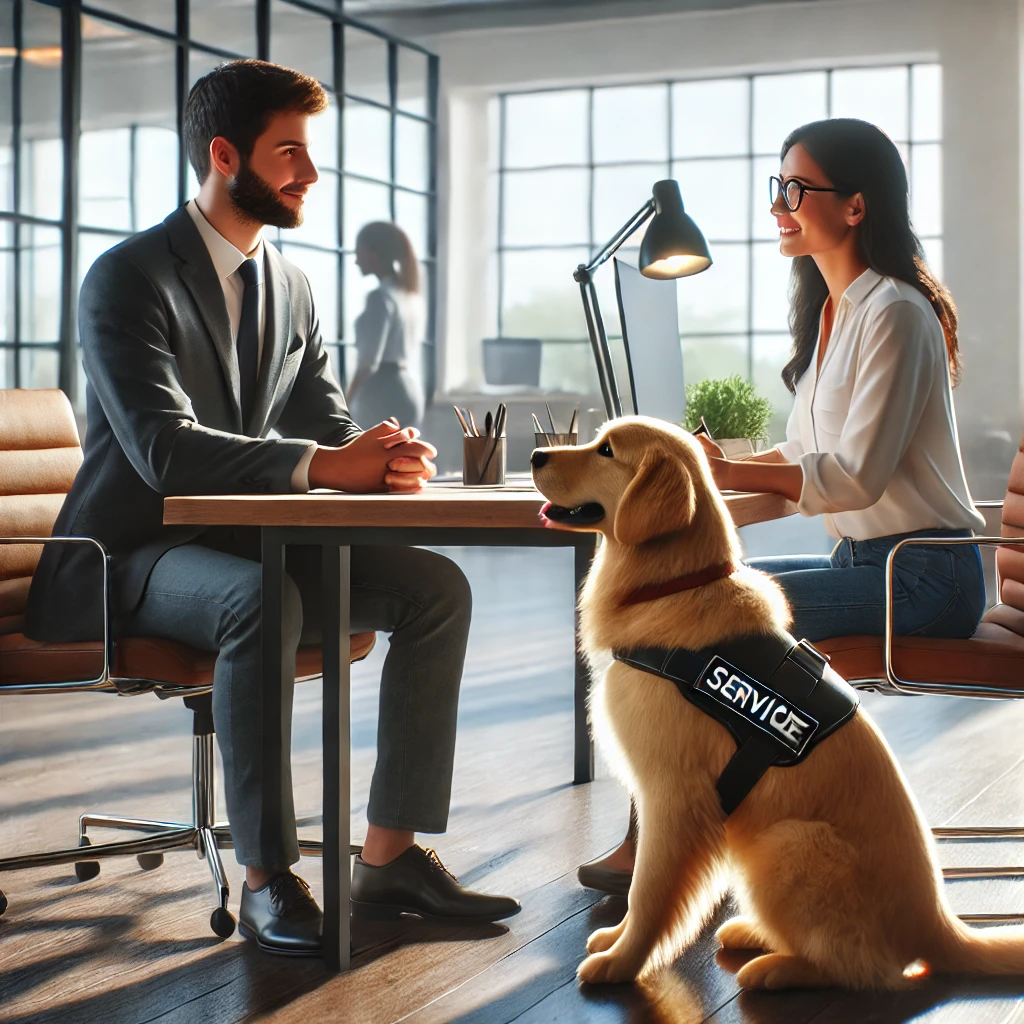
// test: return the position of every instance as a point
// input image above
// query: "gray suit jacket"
(164, 415)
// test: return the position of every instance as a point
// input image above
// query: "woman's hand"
(384, 458)
(721, 469)
(710, 448)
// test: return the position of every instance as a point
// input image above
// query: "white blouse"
(390, 328)
(874, 430)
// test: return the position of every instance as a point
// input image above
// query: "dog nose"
(538, 458)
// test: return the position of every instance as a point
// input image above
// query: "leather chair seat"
(30, 661)
(992, 657)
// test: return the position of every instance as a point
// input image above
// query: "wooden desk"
(437, 516)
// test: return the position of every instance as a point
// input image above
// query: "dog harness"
(778, 698)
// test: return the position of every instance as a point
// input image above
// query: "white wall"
(978, 44)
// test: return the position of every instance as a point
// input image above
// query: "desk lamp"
(672, 247)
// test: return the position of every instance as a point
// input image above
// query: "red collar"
(689, 582)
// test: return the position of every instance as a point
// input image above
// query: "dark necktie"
(248, 344)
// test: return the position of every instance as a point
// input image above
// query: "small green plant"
(730, 407)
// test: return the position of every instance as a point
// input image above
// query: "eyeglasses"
(792, 191)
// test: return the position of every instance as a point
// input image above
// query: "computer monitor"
(653, 383)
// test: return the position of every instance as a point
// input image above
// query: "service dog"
(831, 860)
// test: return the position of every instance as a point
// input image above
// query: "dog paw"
(604, 938)
(740, 933)
(775, 971)
(605, 969)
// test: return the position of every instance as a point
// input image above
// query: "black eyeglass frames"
(792, 191)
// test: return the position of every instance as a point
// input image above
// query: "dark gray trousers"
(207, 595)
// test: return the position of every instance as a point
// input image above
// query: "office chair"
(40, 453)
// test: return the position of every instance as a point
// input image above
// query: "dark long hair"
(392, 245)
(858, 157)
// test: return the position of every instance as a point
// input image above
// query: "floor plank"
(134, 946)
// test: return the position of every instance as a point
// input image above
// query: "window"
(573, 164)
(68, 192)
(32, 228)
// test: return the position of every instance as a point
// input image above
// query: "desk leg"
(271, 598)
(337, 759)
(583, 744)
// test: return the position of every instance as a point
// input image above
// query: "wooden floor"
(134, 946)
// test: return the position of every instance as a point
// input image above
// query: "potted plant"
(736, 415)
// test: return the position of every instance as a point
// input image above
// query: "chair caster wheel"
(3, 904)
(86, 869)
(150, 861)
(222, 922)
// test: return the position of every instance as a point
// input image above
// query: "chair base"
(984, 834)
(204, 836)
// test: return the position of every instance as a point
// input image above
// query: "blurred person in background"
(389, 330)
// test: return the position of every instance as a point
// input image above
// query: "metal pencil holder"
(483, 461)
(554, 440)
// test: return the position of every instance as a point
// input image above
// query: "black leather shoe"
(416, 882)
(594, 875)
(282, 917)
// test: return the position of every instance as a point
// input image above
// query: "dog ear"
(660, 499)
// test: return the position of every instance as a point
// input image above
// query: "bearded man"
(198, 340)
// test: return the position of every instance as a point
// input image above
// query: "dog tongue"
(544, 508)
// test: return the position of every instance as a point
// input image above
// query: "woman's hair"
(395, 250)
(858, 157)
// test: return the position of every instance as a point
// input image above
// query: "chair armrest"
(946, 689)
(108, 640)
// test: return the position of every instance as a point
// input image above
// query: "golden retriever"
(831, 860)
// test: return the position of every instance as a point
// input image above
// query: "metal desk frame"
(335, 543)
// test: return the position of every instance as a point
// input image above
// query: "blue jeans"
(937, 591)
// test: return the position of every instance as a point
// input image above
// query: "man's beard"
(255, 200)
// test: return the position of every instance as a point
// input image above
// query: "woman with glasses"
(871, 443)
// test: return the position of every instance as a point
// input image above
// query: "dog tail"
(964, 950)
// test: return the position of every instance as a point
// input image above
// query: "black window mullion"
(338, 72)
(591, 243)
(181, 58)
(263, 29)
(502, 101)
(16, 183)
(71, 117)
(392, 123)
(750, 228)
(433, 83)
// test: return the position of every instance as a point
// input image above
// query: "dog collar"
(688, 582)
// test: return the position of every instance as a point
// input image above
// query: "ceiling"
(449, 15)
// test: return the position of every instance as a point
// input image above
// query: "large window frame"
(14, 223)
(754, 156)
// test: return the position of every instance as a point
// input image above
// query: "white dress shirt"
(874, 429)
(227, 258)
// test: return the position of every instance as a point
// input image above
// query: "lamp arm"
(599, 345)
(616, 240)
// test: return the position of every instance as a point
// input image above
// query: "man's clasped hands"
(387, 457)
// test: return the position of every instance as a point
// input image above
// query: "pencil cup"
(554, 440)
(483, 461)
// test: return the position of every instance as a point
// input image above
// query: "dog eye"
(606, 451)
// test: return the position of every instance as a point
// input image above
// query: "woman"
(871, 443)
(389, 330)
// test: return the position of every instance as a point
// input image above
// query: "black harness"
(776, 722)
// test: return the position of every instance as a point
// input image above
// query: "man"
(198, 339)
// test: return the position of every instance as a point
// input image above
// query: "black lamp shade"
(673, 245)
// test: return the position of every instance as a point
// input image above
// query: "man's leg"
(424, 602)
(210, 599)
